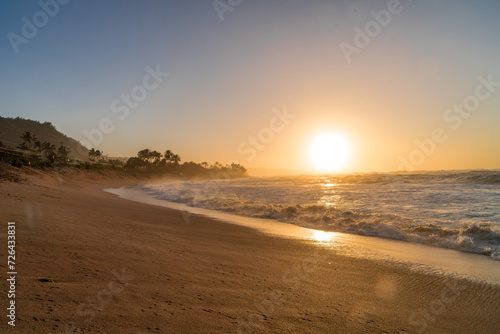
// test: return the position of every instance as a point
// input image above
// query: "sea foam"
(457, 210)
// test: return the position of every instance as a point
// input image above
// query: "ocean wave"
(481, 238)
(463, 177)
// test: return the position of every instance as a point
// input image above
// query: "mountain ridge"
(14, 128)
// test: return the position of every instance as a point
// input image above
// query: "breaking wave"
(458, 217)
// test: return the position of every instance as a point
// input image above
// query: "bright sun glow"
(321, 236)
(329, 152)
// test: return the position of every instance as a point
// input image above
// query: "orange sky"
(203, 85)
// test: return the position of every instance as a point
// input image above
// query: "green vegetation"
(28, 141)
(35, 153)
(95, 155)
(14, 131)
(148, 161)
(31, 152)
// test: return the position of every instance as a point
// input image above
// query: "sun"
(329, 152)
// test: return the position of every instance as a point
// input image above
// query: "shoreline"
(148, 271)
(417, 256)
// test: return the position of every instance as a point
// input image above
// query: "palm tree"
(217, 165)
(155, 156)
(63, 152)
(95, 154)
(171, 159)
(49, 150)
(238, 169)
(168, 155)
(176, 159)
(135, 164)
(92, 154)
(99, 154)
(144, 154)
(28, 139)
(37, 145)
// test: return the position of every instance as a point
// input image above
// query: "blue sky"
(226, 77)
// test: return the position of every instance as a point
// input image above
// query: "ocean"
(451, 209)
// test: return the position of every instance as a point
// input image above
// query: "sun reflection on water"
(321, 236)
(330, 196)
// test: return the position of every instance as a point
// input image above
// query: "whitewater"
(458, 210)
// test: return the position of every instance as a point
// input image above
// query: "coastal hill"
(14, 128)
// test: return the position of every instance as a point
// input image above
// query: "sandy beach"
(90, 262)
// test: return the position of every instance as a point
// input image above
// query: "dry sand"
(90, 262)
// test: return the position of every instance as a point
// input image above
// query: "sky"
(411, 85)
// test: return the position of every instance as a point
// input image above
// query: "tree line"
(155, 162)
(46, 149)
(46, 154)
